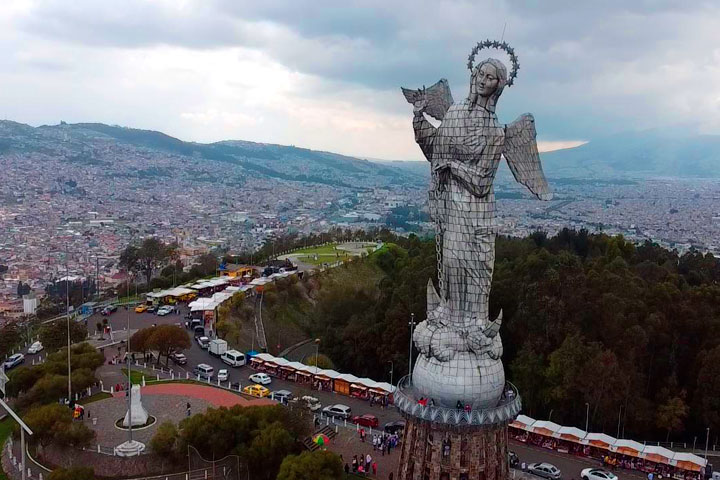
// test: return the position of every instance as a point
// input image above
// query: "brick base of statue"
(438, 451)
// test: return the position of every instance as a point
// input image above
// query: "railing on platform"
(407, 400)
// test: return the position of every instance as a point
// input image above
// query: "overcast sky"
(317, 75)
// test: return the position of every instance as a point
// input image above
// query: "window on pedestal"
(463, 476)
(463, 451)
(445, 476)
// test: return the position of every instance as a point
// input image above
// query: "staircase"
(312, 446)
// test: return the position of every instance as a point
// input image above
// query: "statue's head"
(487, 81)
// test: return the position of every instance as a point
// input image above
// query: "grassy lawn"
(321, 250)
(94, 398)
(136, 377)
(6, 427)
(322, 258)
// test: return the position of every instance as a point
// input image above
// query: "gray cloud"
(582, 63)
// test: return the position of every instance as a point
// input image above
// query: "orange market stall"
(631, 448)
(342, 383)
(520, 428)
(570, 440)
(543, 432)
(688, 465)
(599, 444)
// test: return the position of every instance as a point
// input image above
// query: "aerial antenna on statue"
(502, 37)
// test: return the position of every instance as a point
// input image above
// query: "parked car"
(545, 470)
(199, 331)
(223, 374)
(141, 308)
(597, 474)
(205, 371)
(338, 410)
(195, 322)
(36, 347)
(366, 420)
(234, 358)
(109, 310)
(165, 310)
(312, 403)
(14, 360)
(261, 378)
(178, 358)
(256, 391)
(282, 396)
(204, 342)
(513, 459)
(152, 309)
(394, 427)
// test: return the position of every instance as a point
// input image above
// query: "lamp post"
(550, 416)
(129, 368)
(317, 350)
(619, 416)
(707, 441)
(587, 416)
(392, 369)
(67, 317)
(412, 325)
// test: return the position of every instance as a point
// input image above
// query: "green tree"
(268, 449)
(708, 398)
(165, 440)
(319, 465)
(323, 361)
(166, 339)
(147, 257)
(670, 415)
(47, 421)
(74, 473)
(54, 335)
(76, 435)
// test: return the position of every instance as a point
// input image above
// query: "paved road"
(569, 465)
(196, 355)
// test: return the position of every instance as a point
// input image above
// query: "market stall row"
(613, 452)
(326, 380)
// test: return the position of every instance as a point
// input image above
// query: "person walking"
(374, 468)
(188, 409)
(368, 461)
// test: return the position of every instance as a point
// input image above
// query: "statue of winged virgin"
(457, 340)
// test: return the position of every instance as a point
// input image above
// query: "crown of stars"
(500, 46)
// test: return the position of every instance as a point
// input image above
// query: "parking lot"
(196, 355)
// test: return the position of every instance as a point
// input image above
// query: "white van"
(233, 358)
(204, 371)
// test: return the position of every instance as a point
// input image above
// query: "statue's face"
(486, 80)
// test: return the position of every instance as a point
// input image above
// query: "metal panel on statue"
(457, 402)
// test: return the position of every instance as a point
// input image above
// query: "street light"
(587, 416)
(317, 349)
(619, 416)
(707, 441)
(412, 325)
(392, 369)
(550, 416)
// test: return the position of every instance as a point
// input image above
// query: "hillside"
(100, 144)
(586, 318)
(658, 153)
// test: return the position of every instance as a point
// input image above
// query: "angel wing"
(438, 98)
(523, 158)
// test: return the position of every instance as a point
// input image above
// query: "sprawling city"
(306, 241)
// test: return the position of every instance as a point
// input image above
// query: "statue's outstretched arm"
(425, 134)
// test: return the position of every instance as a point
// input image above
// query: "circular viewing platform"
(407, 398)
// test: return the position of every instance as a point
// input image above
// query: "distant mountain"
(97, 144)
(664, 153)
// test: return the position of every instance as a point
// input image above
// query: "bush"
(165, 440)
(320, 465)
(74, 473)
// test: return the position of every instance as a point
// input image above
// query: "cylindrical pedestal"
(439, 451)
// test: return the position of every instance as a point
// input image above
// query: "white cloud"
(306, 74)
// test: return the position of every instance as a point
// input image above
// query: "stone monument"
(136, 414)
(456, 402)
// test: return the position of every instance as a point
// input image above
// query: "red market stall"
(657, 454)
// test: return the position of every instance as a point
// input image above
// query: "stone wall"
(436, 451)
